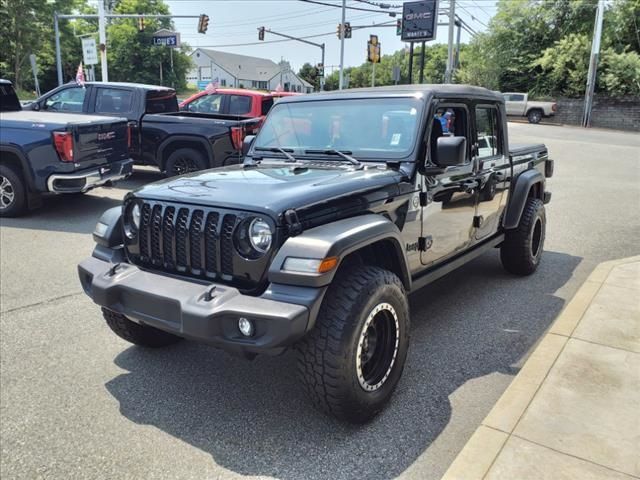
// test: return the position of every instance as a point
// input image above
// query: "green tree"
(565, 66)
(132, 56)
(26, 27)
(620, 73)
(308, 72)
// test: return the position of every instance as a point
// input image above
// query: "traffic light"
(141, 24)
(347, 30)
(399, 27)
(203, 23)
(339, 30)
(320, 70)
(261, 34)
(373, 49)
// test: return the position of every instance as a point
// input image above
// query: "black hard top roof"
(4, 82)
(427, 90)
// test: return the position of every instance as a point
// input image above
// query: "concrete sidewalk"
(573, 411)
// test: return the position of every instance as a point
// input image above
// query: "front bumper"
(86, 180)
(181, 307)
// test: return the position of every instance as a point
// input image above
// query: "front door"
(447, 217)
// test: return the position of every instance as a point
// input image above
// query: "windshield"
(375, 128)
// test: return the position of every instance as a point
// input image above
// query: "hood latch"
(294, 226)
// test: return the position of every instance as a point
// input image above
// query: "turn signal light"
(328, 264)
(63, 143)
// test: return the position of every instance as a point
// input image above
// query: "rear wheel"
(184, 160)
(137, 334)
(488, 192)
(13, 198)
(522, 248)
(351, 361)
(534, 116)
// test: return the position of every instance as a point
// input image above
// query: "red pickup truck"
(230, 101)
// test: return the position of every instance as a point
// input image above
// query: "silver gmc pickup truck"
(518, 104)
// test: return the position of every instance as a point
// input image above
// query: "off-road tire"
(535, 115)
(327, 355)
(132, 332)
(184, 160)
(522, 248)
(12, 182)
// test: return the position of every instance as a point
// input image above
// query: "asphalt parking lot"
(78, 402)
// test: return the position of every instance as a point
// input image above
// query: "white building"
(242, 71)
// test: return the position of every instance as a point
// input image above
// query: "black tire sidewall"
(191, 153)
(358, 399)
(534, 116)
(20, 199)
(540, 214)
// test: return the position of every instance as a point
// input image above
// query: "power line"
(349, 7)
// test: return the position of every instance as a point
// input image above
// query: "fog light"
(245, 326)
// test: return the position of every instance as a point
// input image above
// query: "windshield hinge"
(294, 227)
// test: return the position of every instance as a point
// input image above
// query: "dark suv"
(346, 203)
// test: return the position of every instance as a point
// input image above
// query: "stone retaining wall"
(617, 113)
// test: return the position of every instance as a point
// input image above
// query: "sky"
(234, 22)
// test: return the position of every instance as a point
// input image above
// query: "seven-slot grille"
(186, 239)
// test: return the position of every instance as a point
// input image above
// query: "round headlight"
(252, 237)
(131, 220)
(260, 235)
(135, 216)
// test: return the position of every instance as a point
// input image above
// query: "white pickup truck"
(518, 104)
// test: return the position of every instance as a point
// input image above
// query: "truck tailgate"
(99, 142)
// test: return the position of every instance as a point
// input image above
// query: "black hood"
(275, 188)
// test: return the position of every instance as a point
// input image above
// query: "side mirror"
(34, 106)
(246, 143)
(451, 151)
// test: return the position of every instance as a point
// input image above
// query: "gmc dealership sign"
(419, 21)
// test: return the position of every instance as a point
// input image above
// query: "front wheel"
(184, 160)
(351, 361)
(522, 248)
(13, 198)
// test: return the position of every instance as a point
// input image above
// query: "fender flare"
(519, 195)
(337, 239)
(25, 167)
(184, 138)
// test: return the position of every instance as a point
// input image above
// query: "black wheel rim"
(377, 347)
(7, 193)
(536, 238)
(184, 165)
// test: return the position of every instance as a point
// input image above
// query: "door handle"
(469, 186)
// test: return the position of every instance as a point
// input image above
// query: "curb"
(486, 443)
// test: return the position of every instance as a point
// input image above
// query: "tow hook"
(112, 271)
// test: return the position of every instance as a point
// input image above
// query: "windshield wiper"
(332, 151)
(283, 151)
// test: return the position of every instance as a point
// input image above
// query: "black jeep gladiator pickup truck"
(176, 142)
(44, 153)
(346, 203)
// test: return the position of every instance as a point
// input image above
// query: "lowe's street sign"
(419, 21)
(166, 38)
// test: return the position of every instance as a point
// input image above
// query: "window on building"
(223, 82)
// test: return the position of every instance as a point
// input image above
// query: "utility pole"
(457, 59)
(410, 63)
(421, 76)
(448, 75)
(344, 18)
(593, 65)
(57, 34)
(102, 33)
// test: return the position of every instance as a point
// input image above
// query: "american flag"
(80, 76)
